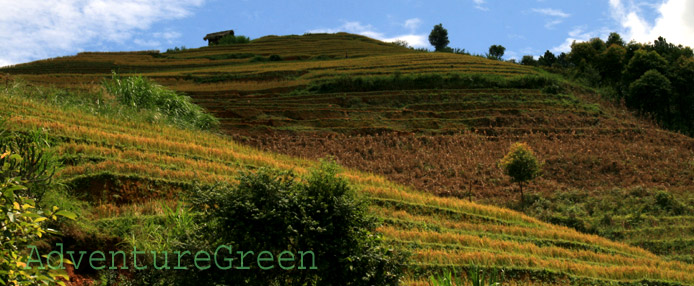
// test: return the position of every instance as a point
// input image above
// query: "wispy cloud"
(412, 38)
(479, 4)
(34, 29)
(674, 21)
(556, 16)
(412, 24)
(552, 12)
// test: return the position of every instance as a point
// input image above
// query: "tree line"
(655, 79)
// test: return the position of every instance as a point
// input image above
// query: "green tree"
(272, 211)
(651, 93)
(521, 165)
(643, 61)
(614, 39)
(548, 59)
(563, 60)
(528, 60)
(598, 45)
(439, 37)
(683, 92)
(496, 52)
(611, 63)
(582, 51)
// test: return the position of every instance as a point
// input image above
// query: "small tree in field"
(520, 164)
(439, 37)
(496, 52)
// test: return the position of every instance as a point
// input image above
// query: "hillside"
(124, 171)
(426, 140)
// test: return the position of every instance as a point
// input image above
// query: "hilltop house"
(213, 38)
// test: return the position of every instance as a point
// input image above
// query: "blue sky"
(37, 29)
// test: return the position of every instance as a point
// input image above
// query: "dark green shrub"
(275, 58)
(271, 211)
(667, 203)
(529, 60)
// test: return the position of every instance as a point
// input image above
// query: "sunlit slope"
(116, 165)
(246, 68)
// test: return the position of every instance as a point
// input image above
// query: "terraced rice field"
(232, 70)
(115, 165)
(440, 141)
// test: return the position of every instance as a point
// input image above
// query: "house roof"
(218, 34)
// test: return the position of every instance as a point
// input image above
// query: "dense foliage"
(271, 211)
(439, 37)
(25, 174)
(654, 79)
(496, 52)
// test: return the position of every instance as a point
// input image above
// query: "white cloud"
(146, 43)
(674, 22)
(169, 36)
(415, 40)
(412, 24)
(556, 16)
(552, 12)
(479, 4)
(34, 29)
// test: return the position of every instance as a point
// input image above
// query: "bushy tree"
(272, 211)
(563, 60)
(528, 60)
(598, 45)
(643, 61)
(614, 39)
(439, 37)
(611, 63)
(496, 52)
(683, 92)
(521, 164)
(548, 59)
(582, 51)
(651, 93)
